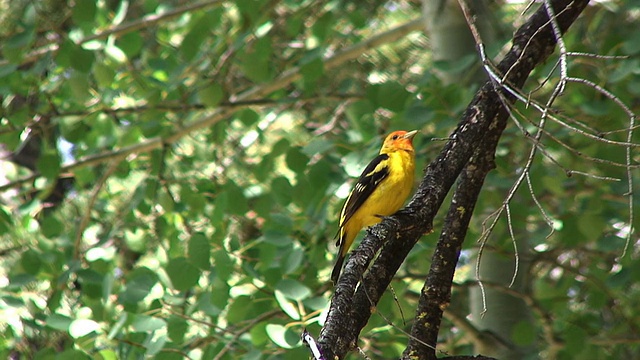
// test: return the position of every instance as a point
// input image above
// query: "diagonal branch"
(436, 292)
(349, 311)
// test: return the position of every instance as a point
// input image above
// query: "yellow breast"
(393, 191)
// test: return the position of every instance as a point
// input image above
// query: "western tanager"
(380, 191)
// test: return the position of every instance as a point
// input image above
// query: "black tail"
(335, 274)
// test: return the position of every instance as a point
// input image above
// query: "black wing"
(371, 177)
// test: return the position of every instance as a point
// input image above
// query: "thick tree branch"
(349, 311)
(436, 292)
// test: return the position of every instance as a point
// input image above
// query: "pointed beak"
(410, 134)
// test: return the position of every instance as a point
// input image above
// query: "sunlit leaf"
(59, 322)
(287, 306)
(81, 327)
(143, 323)
(282, 336)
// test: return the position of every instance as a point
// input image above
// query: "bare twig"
(84, 221)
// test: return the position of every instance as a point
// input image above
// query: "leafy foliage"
(213, 243)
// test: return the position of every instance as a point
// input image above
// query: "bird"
(380, 191)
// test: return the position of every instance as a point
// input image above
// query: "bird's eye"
(394, 137)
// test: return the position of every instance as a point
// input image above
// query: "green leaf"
(200, 251)
(118, 325)
(293, 289)
(248, 117)
(106, 354)
(259, 334)
(81, 59)
(79, 84)
(212, 304)
(115, 53)
(282, 336)
(238, 206)
(58, 322)
(288, 307)
(457, 66)
(323, 26)
(297, 160)
(100, 253)
(575, 338)
(103, 74)
(264, 169)
(280, 147)
(135, 240)
(183, 274)
(84, 11)
(316, 303)
(311, 72)
(241, 309)
(631, 46)
(156, 345)
(71, 354)
(31, 261)
(201, 28)
(91, 282)
(20, 39)
(51, 227)
(131, 44)
(138, 285)
(14, 47)
(82, 327)
(223, 265)
(591, 225)
(390, 95)
(419, 115)
(211, 95)
(282, 190)
(360, 112)
(255, 61)
(143, 323)
(177, 329)
(317, 146)
(277, 238)
(293, 260)
(5, 220)
(250, 9)
(523, 334)
(49, 165)
(7, 69)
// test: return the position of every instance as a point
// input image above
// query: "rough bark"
(396, 235)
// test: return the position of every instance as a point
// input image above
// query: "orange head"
(398, 140)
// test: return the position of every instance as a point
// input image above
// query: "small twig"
(395, 299)
(308, 340)
(389, 322)
(563, 48)
(545, 216)
(165, 349)
(84, 221)
(242, 331)
(597, 56)
(515, 247)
